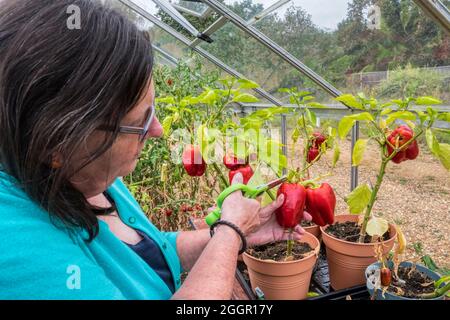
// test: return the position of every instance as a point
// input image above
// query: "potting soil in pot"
(307, 223)
(277, 251)
(416, 283)
(349, 231)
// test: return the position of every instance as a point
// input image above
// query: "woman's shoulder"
(39, 256)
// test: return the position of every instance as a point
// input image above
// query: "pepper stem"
(290, 244)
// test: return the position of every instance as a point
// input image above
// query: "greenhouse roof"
(298, 43)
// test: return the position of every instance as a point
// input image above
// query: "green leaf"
(358, 199)
(377, 227)
(363, 116)
(312, 117)
(422, 101)
(350, 100)
(167, 125)
(304, 93)
(347, 122)
(307, 98)
(385, 111)
(247, 84)
(432, 142)
(245, 98)
(444, 155)
(295, 134)
(345, 125)
(422, 116)
(316, 105)
(209, 98)
(403, 115)
(336, 154)
(358, 151)
(444, 116)
(284, 90)
(168, 100)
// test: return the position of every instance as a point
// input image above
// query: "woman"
(76, 108)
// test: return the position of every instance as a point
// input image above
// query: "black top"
(147, 249)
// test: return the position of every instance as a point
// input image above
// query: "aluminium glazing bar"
(178, 17)
(219, 23)
(166, 56)
(267, 11)
(437, 11)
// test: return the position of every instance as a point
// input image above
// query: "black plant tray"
(320, 283)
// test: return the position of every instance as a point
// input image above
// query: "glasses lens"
(148, 123)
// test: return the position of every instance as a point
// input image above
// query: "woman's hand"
(243, 212)
(270, 230)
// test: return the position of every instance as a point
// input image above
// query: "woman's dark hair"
(57, 86)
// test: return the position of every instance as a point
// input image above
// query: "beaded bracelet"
(235, 228)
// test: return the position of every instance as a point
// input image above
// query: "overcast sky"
(324, 13)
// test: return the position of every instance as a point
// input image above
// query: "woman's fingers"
(306, 216)
(266, 212)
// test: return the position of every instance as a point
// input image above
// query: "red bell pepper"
(318, 138)
(320, 204)
(398, 138)
(232, 162)
(291, 211)
(313, 153)
(246, 171)
(193, 162)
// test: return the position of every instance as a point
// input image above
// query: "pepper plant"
(397, 143)
(301, 191)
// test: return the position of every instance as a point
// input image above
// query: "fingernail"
(280, 198)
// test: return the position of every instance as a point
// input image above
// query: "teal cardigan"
(41, 259)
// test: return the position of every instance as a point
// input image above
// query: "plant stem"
(290, 244)
(373, 197)
(436, 293)
(220, 174)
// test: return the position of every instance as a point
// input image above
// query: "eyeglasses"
(141, 131)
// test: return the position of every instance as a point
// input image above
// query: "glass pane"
(389, 50)
(258, 63)
(247, 9)
(197, 7)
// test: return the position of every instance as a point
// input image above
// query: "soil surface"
(349, 231)
(277, 251)
(307, 224)
(416, 283)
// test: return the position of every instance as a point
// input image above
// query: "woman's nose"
(155, 130)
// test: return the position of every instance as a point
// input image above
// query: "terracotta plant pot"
(314, 230)
(283, 280)
(347, 260)
(391, 296)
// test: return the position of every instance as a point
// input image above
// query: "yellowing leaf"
(247, 84)
(432, 142)
(344, 127)
(427, 101)
(358, 151)
(336, 154)
(350, 101)
(245, 98)
(377, 227)
(444, 155)
(403, 115)
(358, 199)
